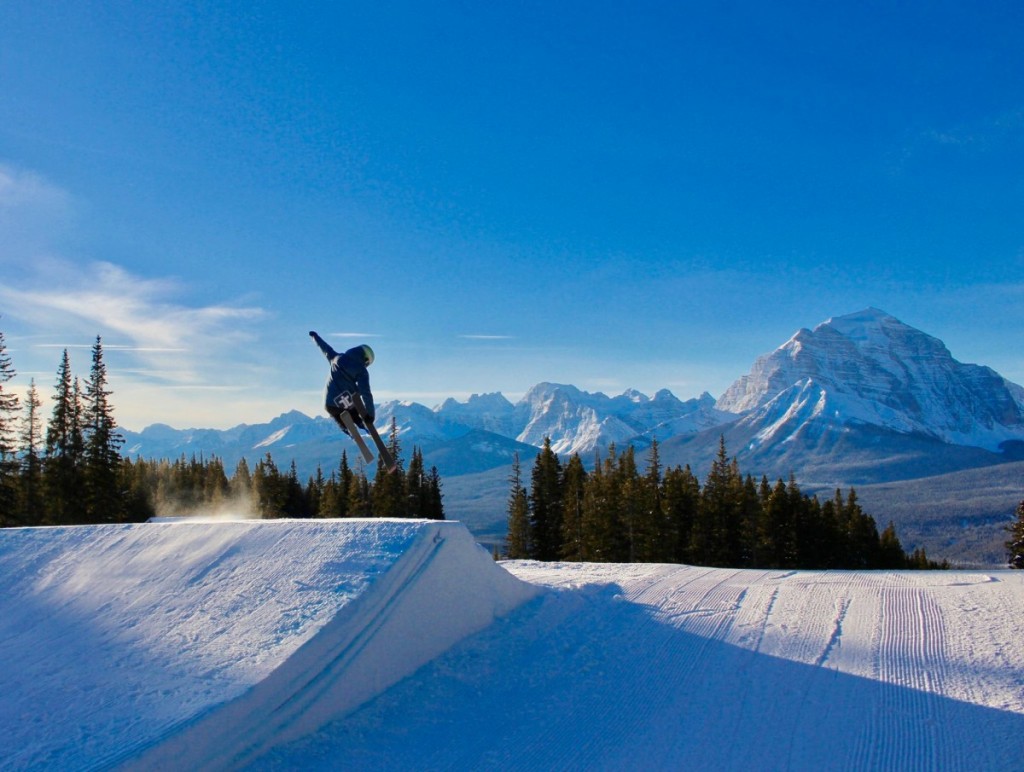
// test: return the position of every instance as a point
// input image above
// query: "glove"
(312, 334)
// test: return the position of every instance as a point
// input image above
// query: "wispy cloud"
(105, 299)
(158, 342)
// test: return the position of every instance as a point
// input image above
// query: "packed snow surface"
(675, 667)
(396, 645)
(192, 645)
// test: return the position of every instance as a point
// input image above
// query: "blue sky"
(615, 195)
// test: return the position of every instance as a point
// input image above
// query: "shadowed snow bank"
(201, 645)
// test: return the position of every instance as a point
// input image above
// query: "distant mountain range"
(862, 399)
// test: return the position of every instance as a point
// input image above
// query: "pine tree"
(64, 449)
(435, 496)
(416, 487)
(546, 504)
(603, 539)
(8, 458)
(295, 504)
(890, 553)
(269, 488)
(776, 543)
(1015, 544)
(388, 497)
(518, 543)
(358, 504)
(627, 496)
(31, 503)
(102, 458)
(574, 481)
(681, 501)
(862, 534)
(651, 546)
(240, 487)
(346, 480)
(717, 533)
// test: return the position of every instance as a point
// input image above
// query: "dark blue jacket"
(348, 374)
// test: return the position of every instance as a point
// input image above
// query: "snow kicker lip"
(369, 645)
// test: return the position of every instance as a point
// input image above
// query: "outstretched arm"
(329, 352)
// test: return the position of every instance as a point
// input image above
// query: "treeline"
(73, 472)
(198, 486)
(617, 513)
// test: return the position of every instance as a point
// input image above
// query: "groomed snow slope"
(198, 645)
(401, 645)
(674, 667)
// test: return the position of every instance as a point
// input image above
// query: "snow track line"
(837, 632)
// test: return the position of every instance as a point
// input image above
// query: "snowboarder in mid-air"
(347, 396)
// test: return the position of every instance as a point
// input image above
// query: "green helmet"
(367, 355)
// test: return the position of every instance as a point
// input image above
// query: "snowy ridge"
(581, 422)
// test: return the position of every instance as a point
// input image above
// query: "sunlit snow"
(401, 645)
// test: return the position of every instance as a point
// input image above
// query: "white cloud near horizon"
(158, 343)
(102, 298)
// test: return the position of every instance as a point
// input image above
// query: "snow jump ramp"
(204, 645)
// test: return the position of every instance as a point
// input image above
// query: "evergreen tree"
(388, 497)
(681, 500)
(628, 504)
(417, 488)
(64, 448)
(574, 481)
(342, 489)
(435, 496)
(717, 533)
(8, 458)
(315, 491)
(31, 503)
(546, 504)
(603, 540)
(358, 504)
(240, 487)
(269, 488)
(138, 505)
(776, 544)
(102, 457)
(890, 553)
(518, 541)
(862, 534)
(1015, 544)
(216, 489)
(650, 544)
(295, 504)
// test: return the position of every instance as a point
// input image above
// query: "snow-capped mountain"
(580, 422)
(484, 432)
(869, 368)
(864, 372)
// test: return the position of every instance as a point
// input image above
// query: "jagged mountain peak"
(872, 368)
